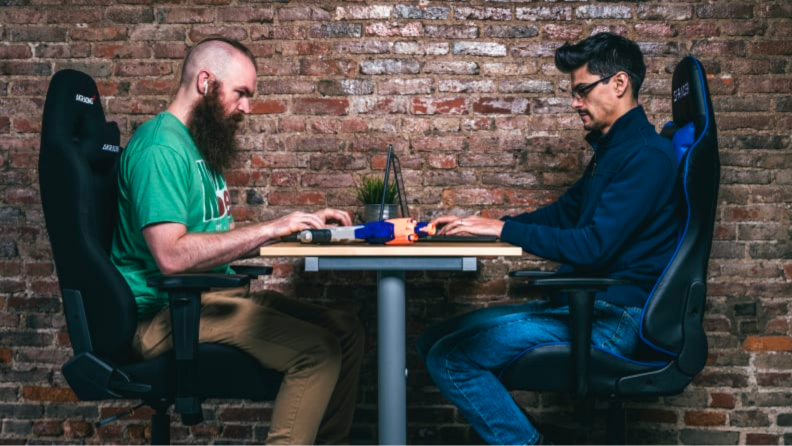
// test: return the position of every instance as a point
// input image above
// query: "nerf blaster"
(394, 231)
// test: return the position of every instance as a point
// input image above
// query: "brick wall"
(468, 95)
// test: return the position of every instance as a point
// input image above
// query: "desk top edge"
(415, 250)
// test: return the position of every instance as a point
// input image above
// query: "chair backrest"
(680, 292)
(78, 166)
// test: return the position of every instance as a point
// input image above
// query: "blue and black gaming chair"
(674, 347)
(78, 166)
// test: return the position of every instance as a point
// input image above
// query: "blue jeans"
(462, 354)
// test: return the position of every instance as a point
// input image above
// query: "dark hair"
(605, 54)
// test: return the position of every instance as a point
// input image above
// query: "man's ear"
(202, 82)
(621, 83)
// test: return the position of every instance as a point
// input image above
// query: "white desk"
(391, 263)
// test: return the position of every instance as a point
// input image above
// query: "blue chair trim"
(687, 201)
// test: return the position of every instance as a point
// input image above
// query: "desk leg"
(391, 355)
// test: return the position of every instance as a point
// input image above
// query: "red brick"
(768, 343)
(121, 51)
(431, 106)
(725, 11)
(327, 180)
(437, 144)
(722, 400)
(245, 14)
(472, 196)
(54, 394)
(354, 126)
(15, 51)
(317, 106)
(265, 107)
(284, 179)
(701, 29)
(705, 418)
(296, 198)
(134, 15)
(99, 34)
(755, 438)
(501, 105)
(78, 429)
(136, 69)
(5, 355)
(153, 87)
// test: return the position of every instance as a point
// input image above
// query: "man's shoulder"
(161, 130)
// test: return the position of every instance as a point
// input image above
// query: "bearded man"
(175, 217)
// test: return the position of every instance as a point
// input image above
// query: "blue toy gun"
(394, 231)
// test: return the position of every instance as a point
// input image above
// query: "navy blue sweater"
(619, 220)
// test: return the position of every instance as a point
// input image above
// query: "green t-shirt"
(163, 178)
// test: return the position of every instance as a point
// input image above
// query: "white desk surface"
(428, 249)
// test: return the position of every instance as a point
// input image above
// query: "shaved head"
(216, 54)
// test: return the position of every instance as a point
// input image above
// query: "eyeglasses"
(581, 91)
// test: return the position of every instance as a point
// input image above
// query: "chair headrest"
(691, 102)
(73, 113)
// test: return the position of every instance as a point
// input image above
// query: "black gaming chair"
(674, 347)
(77, 173)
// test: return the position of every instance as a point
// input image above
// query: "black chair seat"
(557, 374)
(226, 372)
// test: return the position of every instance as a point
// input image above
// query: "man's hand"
(474, 225)
(341, 218)
(291, 223)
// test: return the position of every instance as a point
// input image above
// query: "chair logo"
(682, 91)
(85, 99)
(111, 148)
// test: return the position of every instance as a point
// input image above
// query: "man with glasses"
(619, 220)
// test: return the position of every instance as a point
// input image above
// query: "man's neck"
(620, 110)
(181, 108)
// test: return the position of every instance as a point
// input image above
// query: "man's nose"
(244, 105)
(577, 102)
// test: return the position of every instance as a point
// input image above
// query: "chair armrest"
(252, 271)
(532, 274)
(197, 282)
(570, 283)
(184, 297)
(581, 291)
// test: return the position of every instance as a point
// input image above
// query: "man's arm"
(645, 184)
(177, 251)
(563, 213)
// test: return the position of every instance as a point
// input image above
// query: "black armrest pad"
(579, 283)
(252, 271)
(532, 274)
(197, 281)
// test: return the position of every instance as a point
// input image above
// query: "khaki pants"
(319, 350)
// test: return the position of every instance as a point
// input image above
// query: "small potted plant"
(369, 193)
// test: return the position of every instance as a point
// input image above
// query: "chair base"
(160, 426)
(616, 431)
